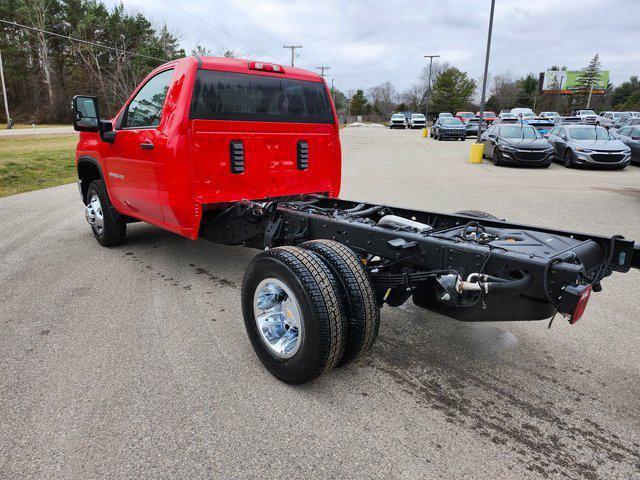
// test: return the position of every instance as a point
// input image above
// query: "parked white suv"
(588, 117)
(398, 121)
(417, 120)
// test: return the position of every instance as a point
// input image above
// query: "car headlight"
(584, 150)
(507, 148)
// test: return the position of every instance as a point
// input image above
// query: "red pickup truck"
(248, 153)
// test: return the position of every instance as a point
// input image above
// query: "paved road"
(16, 132)
(132, 362)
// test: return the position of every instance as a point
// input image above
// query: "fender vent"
(236, 156)
(303, 155)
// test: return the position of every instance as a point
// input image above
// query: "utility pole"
(4, 94)
(486, 71)
(322, 68)
(426, 108)
(333, 93)
(293, 52)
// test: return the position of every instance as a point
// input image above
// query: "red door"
(132, 161)
(132, 171)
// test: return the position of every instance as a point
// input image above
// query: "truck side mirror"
(86, 114)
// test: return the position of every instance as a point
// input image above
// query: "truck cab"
(186, 139)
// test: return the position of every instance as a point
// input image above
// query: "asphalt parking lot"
(133, 362)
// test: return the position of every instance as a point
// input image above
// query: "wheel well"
(87, 173)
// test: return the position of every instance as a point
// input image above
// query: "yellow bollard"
(475, 156)
(425, 132)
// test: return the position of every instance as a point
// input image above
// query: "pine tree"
(359, 103)
(589, 76)
(452, 91)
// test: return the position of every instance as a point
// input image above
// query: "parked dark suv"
(447, 127)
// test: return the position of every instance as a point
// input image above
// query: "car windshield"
(397, 116)
(507, 115)
(488, 115)
(518, 131)
(586, 112)
(418, 116)
(551, 114)
(466, 115)
(450, 121)
(528, 115)
(446, 115)
(597, 133)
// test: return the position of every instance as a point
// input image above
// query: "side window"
(625, 131)
(562, 133)
(146, 107)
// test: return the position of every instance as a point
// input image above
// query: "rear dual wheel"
(308, 310)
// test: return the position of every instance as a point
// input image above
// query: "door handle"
(146, 146)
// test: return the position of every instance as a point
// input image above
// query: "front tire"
(497, 157)
(363, 315)
(292, 314)
(567, 158)
(108, 230)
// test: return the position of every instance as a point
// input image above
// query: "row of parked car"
(407, 120)
(571, 144)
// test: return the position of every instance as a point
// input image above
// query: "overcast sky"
(368, 42)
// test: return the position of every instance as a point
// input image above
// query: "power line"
(263, 15)
(246, 21)
(87, 42)
(219, 29)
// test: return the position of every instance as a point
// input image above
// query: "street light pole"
(486, 71)
(426, 108)
(4, 94)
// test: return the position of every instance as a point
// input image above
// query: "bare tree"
(412, 97)
(504, 90)
(382, 97)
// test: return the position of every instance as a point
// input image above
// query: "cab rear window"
(258, 98)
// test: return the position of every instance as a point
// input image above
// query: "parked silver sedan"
(588, 145)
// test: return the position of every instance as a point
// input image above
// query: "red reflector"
(266, 67)
(581, 305)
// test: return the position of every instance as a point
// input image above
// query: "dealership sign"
(567, 80)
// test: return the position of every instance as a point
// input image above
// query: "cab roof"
(242, 66)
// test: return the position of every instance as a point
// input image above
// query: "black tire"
(114, 231)
(567, 158)
(324, 323)
(362, 312)
(497, 157)
(477, 214)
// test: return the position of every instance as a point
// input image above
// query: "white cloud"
(368, 42)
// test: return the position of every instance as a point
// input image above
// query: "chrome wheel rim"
(94, 214)
(278, 317)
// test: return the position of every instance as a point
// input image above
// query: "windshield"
(397, 116)
(466, 115)
(517, 131)
(450, 121)
(550, 114)
(488, 115)
(418, 116)
(528, 115)
(586, 112)
(446, 115)
(597, 133)
(507, 115)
